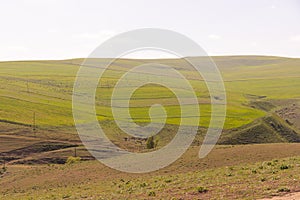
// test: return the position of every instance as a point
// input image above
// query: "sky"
(64, 29)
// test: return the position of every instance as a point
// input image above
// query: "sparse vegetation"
(3, 170)
(201, 189)
(284, 166)
(150, 143)
(284, 189)
(91, 179)
(263, 179)
(72, 160)
(152, 194)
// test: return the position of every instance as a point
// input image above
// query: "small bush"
(143, 184)
(201, 189)
(72, 160)
(229, 174)
(150, 143)
(283, 190)
(151, 194)
(283, 167)
(3, 170)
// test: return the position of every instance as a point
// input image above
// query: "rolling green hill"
(44, 89)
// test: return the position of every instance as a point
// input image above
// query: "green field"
(45, 87)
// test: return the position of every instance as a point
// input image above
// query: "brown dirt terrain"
(231, 179)
(221, 156)
(11, 142)
(292, 196)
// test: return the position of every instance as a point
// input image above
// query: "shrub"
(150, 143)
(3, 170)
(263, 179)
(283, 167)
(72, 160)
(201, 189)
(283, 190)
(151, 194)
(143, 184)
(229, 174)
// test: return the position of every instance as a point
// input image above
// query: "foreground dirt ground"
(292, 196)
(229, 172)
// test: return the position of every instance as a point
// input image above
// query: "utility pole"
(27, 86)
(34, 125)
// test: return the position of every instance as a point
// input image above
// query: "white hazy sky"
(61, 29)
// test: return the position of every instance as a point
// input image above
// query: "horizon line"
(158, 58)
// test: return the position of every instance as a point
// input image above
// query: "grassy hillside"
(45, 88)
(269, 129)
